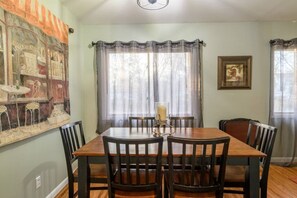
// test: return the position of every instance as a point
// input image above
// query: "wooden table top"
(236, 147)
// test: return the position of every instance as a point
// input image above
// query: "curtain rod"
(94, 43)
(282, 41)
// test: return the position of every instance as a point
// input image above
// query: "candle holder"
(161, 115)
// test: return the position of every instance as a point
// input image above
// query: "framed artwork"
(234, 72)
(34, 91)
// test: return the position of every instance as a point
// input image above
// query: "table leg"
(253, 178)
(83, 177)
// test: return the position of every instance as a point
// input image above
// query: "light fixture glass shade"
(152, 4)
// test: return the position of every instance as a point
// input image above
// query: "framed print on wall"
(234, 72)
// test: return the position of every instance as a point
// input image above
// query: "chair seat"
(180, 194)
(177, 178)
(96, 171)
(151, 173)
(235, 174)
(179, 175)
(142, 194)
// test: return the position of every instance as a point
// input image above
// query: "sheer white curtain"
(132, 76)
(283, 97)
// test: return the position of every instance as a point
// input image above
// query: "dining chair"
(134, 166)
(4, 111)
(192, 172)
(32, 107)
(73, 138)
(236, 127)
(263, 141)
(142, 123)
(182, 121)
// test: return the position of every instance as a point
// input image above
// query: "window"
(132, 76)
(285, 81)
(131, 81)
(283, 106)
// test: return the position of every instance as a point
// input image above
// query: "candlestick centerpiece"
(161, 115)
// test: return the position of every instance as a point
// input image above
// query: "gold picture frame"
(234, 72)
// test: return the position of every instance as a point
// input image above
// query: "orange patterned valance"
(39, 16)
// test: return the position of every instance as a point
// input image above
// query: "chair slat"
(137, 164)
(193, 165)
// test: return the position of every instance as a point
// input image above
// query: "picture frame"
(234, 72)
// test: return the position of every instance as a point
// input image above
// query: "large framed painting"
(234, 72)
(34, 95)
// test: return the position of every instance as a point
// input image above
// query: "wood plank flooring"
(280, 185)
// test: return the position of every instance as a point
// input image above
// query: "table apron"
(230, 160)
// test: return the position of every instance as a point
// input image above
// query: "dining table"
(239, 153)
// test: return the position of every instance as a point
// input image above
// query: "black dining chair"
(182, 121)
(142, 122)
(134, 166)
(263, 140)
(192, 172)
(73, 138)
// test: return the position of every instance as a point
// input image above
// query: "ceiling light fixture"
(152, 4)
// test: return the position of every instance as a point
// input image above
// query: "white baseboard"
(282, 160)
(58, 188)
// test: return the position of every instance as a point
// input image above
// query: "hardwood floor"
(280, 185)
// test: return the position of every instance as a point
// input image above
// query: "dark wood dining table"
(239, 153)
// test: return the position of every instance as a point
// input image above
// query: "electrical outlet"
(38, 181)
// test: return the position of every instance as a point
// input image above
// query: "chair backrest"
(182, 121)
(237, 127)
(263, 140)
(133, 164)
(195, 166)
(142, 123)
(73, 138)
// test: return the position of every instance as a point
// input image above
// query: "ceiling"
(96, 12)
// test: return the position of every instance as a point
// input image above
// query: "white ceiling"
(182, 11)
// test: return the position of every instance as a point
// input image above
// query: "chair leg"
(70, 189)
(0, 123)
(165, 191)
(8, 120)
(25, 117)
(245, 192)
(5, 113)
(220, 194)
(264, 191)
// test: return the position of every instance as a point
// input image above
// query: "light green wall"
(43, 155)
(222, 39)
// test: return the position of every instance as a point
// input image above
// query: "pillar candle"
(161, 111)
